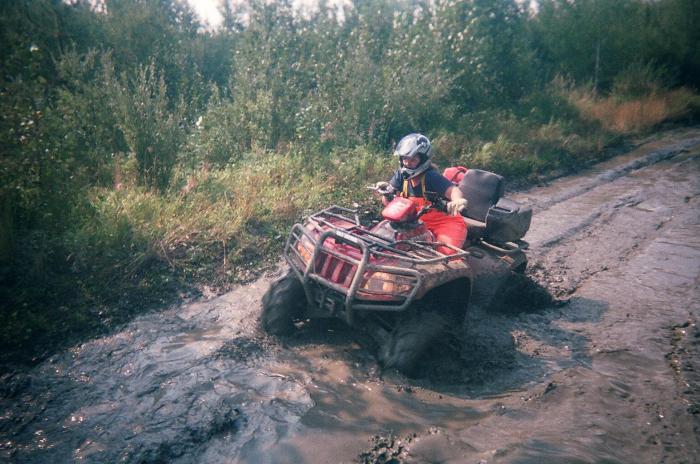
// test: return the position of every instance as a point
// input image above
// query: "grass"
(223, 218)
(577, 129)
(639, 115)
(134, 249)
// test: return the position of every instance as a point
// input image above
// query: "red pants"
(447, 229)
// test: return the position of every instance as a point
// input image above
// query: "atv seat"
(482, 189)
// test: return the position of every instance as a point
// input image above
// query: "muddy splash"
(606, 371)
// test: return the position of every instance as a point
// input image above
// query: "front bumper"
(346, 269)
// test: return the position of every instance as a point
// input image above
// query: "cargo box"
(507, 221)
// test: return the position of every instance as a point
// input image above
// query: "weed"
(625, 116)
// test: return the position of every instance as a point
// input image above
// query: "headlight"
(305, 249)
(384, 282)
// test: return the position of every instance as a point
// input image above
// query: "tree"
(588, 40)
(485, 48)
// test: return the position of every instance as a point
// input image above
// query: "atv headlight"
(304, 248)
(384, 282)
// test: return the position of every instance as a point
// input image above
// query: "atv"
(392, 278)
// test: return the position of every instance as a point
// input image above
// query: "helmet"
(410, 146)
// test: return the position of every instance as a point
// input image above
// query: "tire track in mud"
(647, 281)
(647, 296)
(602, 387)
(614, 173)
(605, 221)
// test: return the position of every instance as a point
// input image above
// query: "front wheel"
(283, 303)
(410, 340)
(520, 269)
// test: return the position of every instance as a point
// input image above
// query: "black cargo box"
(507, 221)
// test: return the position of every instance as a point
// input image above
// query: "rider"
(417, 179)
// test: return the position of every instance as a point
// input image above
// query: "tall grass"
(635, 116)
(221, 222)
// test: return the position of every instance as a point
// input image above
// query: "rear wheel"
(410, 340)
(283, 303)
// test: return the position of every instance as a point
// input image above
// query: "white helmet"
(414, 145)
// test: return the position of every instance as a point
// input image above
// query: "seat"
(482, 189)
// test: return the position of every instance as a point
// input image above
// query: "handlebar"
(387, 192)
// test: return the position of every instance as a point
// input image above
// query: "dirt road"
(609, 373)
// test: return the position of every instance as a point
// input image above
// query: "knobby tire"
(283, 304)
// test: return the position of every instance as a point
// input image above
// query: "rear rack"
(348, 273)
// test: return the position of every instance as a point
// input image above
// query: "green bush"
(152, 126)
(639, 79)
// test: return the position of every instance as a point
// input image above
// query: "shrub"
(638, 115)
(152, 126)
(641, 79)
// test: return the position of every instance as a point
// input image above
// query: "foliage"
(153, 130)
(484, 46)
(640, 79)
(594, 40)
(634, 116)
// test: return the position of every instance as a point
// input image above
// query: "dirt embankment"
(607, 371)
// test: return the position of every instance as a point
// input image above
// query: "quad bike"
(393, 279)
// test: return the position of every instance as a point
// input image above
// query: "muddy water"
(608, 373)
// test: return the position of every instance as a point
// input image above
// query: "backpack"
(455, 173)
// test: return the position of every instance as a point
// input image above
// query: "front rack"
(363, 256)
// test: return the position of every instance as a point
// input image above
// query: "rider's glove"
(455, 207)
(385, 189)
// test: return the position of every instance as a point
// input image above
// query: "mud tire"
(409, 341)
(283, 303)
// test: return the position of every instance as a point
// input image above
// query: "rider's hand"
(455, 207)
(381, 185)
(384, 188)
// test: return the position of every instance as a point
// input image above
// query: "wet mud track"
(606, 371)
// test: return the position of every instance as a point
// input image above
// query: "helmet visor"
(405, 149)
(413, 160)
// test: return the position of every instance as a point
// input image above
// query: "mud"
(591, 357)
